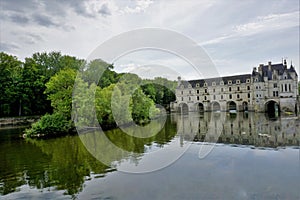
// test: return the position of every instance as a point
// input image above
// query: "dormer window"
(197, 85)
(248, 81)
(189, 86)
(222, 83)
(205, 84)
(238, 81)
(182, 86)
(229, 82)
(213, 83)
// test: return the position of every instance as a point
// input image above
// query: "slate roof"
(243, 78)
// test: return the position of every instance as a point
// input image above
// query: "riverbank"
(18, 121)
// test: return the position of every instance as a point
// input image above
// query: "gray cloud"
(44, 20)
(19, 19)
(8, 47)
(104, 10)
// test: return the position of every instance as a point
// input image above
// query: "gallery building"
(269, 88)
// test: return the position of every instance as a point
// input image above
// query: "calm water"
(224, 156)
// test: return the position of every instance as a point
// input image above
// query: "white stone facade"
(269, 87)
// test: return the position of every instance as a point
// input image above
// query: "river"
(195, 156)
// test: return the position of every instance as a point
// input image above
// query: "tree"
(10, 85)
(59, 91)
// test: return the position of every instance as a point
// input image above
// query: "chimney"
(269, 65)
(284, 63)
(178, 81)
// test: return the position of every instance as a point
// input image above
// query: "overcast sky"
(237, 35)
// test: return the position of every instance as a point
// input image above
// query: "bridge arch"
(200, 107)
(183, 108)
(231, 106)
(272, 107)
(215, 106)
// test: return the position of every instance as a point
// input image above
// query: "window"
(289, 87)
(205, 91)
(256, 87)
(230, 96)
(198, 98)
(285, 87)
(238, 82)
(214, 97)
(257, 95)
(248, 80)
(214, 90)
(182, 86)
(237, 96)
(275, 85)
(181, 92)
(238, 88)
(229, 89)
(222, 83)
(229, 82)
(189, 98)
(256, 80)
(197, 85)
(181, 98)
(221, 96)
(197, 91)
(248, 95)
(222, 90)
(248, 87)
(205, 84)
(205, 98)
(213, 83)
(190, 92)
(274, 94)
(190, 86)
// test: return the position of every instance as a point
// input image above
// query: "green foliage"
(44, 84)
(10, 84)
(49, 125)
(23, 84)
(59, 91)
(160, 90)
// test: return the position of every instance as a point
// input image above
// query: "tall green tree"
(10, 85)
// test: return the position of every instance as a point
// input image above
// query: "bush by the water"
(49, 125)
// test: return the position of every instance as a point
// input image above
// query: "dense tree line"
(43, 85)
(22, 84)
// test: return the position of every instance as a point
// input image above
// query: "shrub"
(49, 125)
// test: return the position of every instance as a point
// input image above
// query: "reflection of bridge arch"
(215, 106)
(231, 106)
(183, 108)
(272, 107)
(200, 107)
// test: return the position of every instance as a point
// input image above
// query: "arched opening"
(200, 107)
(183, 108)
(231, 106)
(245, 106)
(272, 108)
(215, 106)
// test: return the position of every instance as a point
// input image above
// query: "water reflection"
(239, 128)
(65, 164)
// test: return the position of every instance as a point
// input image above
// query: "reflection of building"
(241, 128)
(271, 87)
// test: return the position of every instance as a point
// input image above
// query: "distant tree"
(10, 85)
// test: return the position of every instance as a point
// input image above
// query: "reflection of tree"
(64, 163)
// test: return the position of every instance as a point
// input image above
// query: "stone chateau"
(269, 88)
